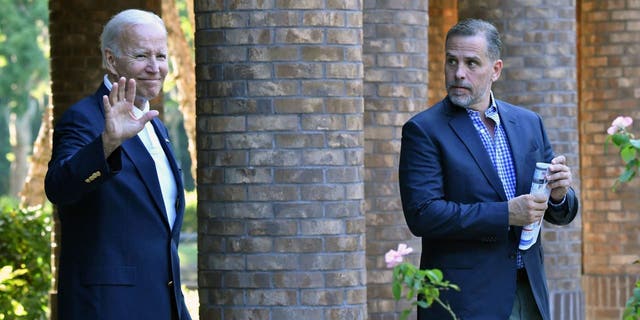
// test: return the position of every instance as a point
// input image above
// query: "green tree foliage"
(25, 255)
(24, 69)
(23, 51)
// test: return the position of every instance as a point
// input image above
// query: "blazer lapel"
(134, 149)
(461, 124)
(144, 164)
(175, 169)
(518, 147)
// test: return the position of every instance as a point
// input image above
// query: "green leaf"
(18, 309)
(411, 293)
(397, 290)
(628, 153)
(627, 175)
(434, 275)
(405, 313)
(620, 138)
(635, 143)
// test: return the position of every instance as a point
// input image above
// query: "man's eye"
(161, 57)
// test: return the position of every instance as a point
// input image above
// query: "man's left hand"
(559, 178)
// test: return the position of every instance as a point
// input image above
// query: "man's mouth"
(458, 89)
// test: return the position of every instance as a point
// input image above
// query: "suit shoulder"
(435, 113)
(87, 107)
(504, 106)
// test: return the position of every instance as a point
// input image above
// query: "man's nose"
(152, 65)
(461, 72)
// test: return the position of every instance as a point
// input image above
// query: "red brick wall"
(396, 80)
(609, 86)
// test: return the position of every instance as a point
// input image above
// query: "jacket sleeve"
(78, 166)
(429, 213)
(565, 213)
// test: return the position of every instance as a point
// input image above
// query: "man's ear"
(111, 61)
(497, 70)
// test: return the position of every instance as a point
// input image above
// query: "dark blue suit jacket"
(453, 198)
(119, 257)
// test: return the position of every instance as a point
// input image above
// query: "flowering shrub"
(628, 147)
(425, 284)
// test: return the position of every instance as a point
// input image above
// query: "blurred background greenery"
(25, 94)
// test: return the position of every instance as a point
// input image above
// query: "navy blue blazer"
(118, 255)
(452, 198)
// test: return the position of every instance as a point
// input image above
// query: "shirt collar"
(493, 107)
(107, 83)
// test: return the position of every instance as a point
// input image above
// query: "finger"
(113, 95)
(149, 115)
(539, 198)
(105, 102)
(561, 159)
(131, 90)
(562, 175)
(121, 89)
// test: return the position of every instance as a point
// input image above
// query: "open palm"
(120, 122)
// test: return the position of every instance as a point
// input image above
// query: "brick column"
(540, 74)
(609, 86)
(280, 150)
(396, 68)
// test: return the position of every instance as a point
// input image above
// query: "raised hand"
(120, 123)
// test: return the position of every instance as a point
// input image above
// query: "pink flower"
(394, 258)
(619, 123)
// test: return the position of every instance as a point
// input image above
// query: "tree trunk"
(32, 193)
(184, 71)
(20, 140)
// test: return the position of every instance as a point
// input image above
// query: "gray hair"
(113, 30)
(473, 27)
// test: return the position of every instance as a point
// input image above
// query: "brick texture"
(281, 141)
(608, 87)
(539, 73)
(396, 81)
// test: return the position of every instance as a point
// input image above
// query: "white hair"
(110, 38)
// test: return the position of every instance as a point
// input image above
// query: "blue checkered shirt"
(499, 151)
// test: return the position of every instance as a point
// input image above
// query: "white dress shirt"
(163, 168)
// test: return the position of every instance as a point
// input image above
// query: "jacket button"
(170, 284)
